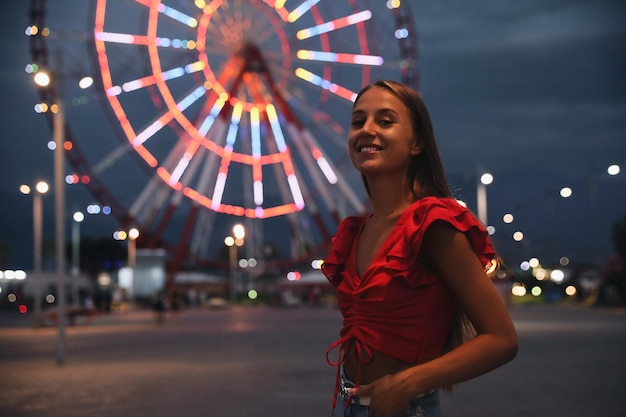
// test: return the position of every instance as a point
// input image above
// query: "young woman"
(411, 277)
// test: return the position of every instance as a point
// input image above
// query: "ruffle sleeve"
(341, 244)
(406, 247)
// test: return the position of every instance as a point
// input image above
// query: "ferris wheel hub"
(253, 58)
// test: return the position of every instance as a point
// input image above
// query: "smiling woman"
(419, 310)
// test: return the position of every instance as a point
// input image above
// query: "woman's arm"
(495, 344)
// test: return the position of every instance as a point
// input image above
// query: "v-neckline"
(360, 275)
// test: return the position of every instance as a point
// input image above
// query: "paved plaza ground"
(269, 362)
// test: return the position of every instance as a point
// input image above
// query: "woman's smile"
(369, 149)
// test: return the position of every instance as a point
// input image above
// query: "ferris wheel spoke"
(328, 125)
(301, 10)
(158, 213)
(111, 158)
(308, 160)
(231, 137)
(190, 175)
(152, 129)
(166, 117)
(150, 203)
(178, 162)
(202, 232)
(275, 141)
(333, 25)
(285, 193)
(257, 168)
(339, 58)
(325, 84)
(285, 156)
(209, 171)
(313, 210)
(192, 146)
(140, 209)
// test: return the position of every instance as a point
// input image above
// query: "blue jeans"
(426, 406)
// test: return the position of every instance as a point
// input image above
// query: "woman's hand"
(388, 396)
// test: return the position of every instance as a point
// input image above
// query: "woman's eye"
(357, 123)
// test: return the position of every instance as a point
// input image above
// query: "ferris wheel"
(210, 113)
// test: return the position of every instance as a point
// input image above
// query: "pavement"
(262, 362)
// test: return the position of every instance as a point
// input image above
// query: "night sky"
(533, 92)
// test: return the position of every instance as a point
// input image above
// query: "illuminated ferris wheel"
(220, 112)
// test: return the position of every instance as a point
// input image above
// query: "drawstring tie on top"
(363, 353)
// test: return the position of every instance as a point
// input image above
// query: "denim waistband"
(425, 400)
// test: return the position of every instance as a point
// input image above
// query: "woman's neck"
(389, 197)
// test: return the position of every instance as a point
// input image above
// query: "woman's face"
(381, 138)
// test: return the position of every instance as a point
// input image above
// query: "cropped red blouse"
(398, 307)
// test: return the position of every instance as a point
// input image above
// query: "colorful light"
(276, 130)
(301, 10)
(177, 15)
(325, 84)
(334, 25)
(342, 58)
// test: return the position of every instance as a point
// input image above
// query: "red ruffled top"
(398, 307)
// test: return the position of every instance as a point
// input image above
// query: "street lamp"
(613, 170)
(239, 233)
(132, 235)
(481, 196)
(40, 188)
(78, 217)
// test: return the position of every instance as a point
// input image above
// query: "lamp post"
(239, 233)
(59, 194)
(40, 188)
(43, 79)
(481, 196)
(78, 217)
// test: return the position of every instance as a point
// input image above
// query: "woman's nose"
(369, 127)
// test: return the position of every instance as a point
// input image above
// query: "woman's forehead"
(378, 99)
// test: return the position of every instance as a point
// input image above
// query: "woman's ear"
(416, 149)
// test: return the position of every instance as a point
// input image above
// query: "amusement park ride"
(208, 113)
